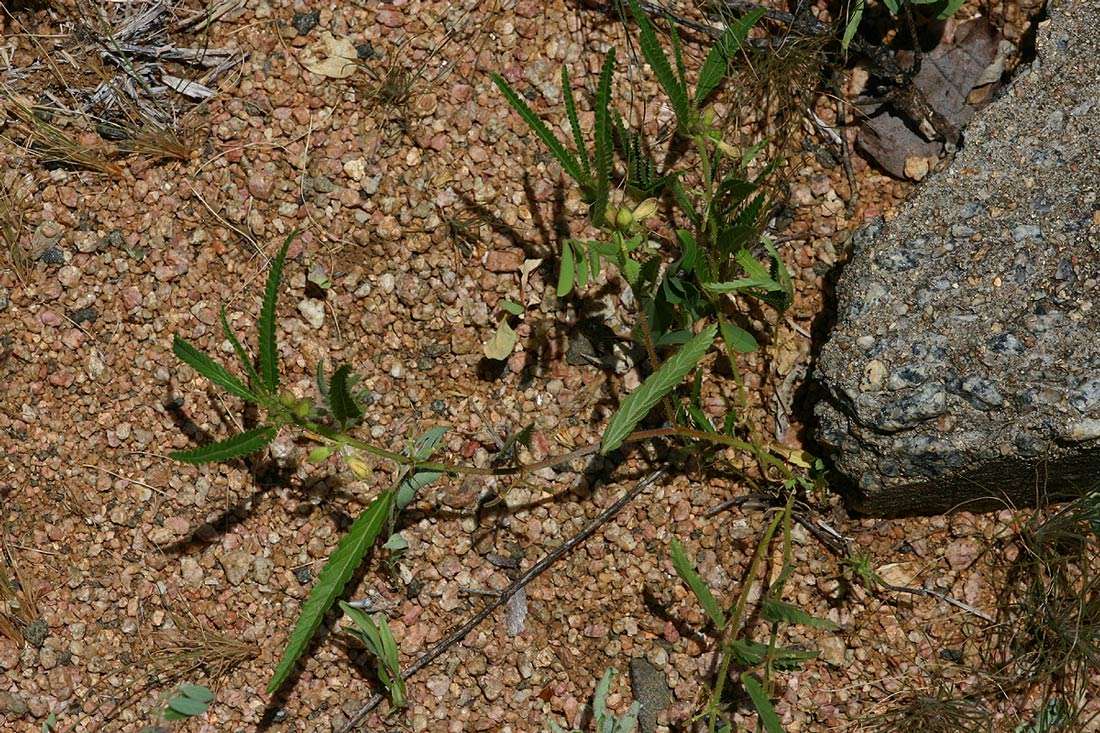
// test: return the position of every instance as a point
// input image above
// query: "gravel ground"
(123, 542)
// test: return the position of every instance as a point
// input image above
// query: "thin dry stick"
(536, 570)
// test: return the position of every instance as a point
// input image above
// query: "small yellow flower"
(358, 466)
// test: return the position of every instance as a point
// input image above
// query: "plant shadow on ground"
(589, 308)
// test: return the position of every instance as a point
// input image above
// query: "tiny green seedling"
(604, 721)
(185, 702)
(378, 639)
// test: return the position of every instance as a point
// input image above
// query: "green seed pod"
(624, 218)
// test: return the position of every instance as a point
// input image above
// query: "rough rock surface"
(964, 368)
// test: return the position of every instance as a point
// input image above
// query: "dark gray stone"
(305, 22)
(964, 368)
(651, 690)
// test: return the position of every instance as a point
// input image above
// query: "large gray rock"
(964, 368)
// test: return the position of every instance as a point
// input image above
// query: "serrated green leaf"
(330, 584)
(751, 653)
(780, 274)
(242, 355)
(269, 350)
(236, 446)
(685, 568)
(574, 121)
(344, 408)
(738, 338)
(639, 402)
(568, 268)
(602, 134)
(655, 57)
(567, 160)
(780, 612)
(717, 62)
(758, 278)
(210, 369)
(768, 717)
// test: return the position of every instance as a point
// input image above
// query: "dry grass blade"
(14, 203)
(156, 142)
(1048, 632)
(20, 619)
(193, 646)
(51, 144)
(934, 711)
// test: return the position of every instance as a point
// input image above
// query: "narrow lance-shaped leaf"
(602, 134)
(331, 581)
(568, 267)
(241, 444)
(242, 354)
(780, 612)
(639, 402)
(717, 61)
(768, 717)
(568, 162)
(574, 121)
(685, 568)
(269, 351)
(210, 369)
(655, 57)
(738, 338)
(854, 19)
(340, 400)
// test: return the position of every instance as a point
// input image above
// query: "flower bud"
(624, 218)
(358, 466)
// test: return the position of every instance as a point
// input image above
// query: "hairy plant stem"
(326, 434)
(733, 625)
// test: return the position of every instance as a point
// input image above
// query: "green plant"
(684, 307)
(759, 660)
(186, 701)
(856, 8)
(603, 719)
(684, 269)
(378, 639)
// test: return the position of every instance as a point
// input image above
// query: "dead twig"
(517, 585)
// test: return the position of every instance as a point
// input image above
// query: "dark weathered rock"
(964, 369)
(651, 690)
